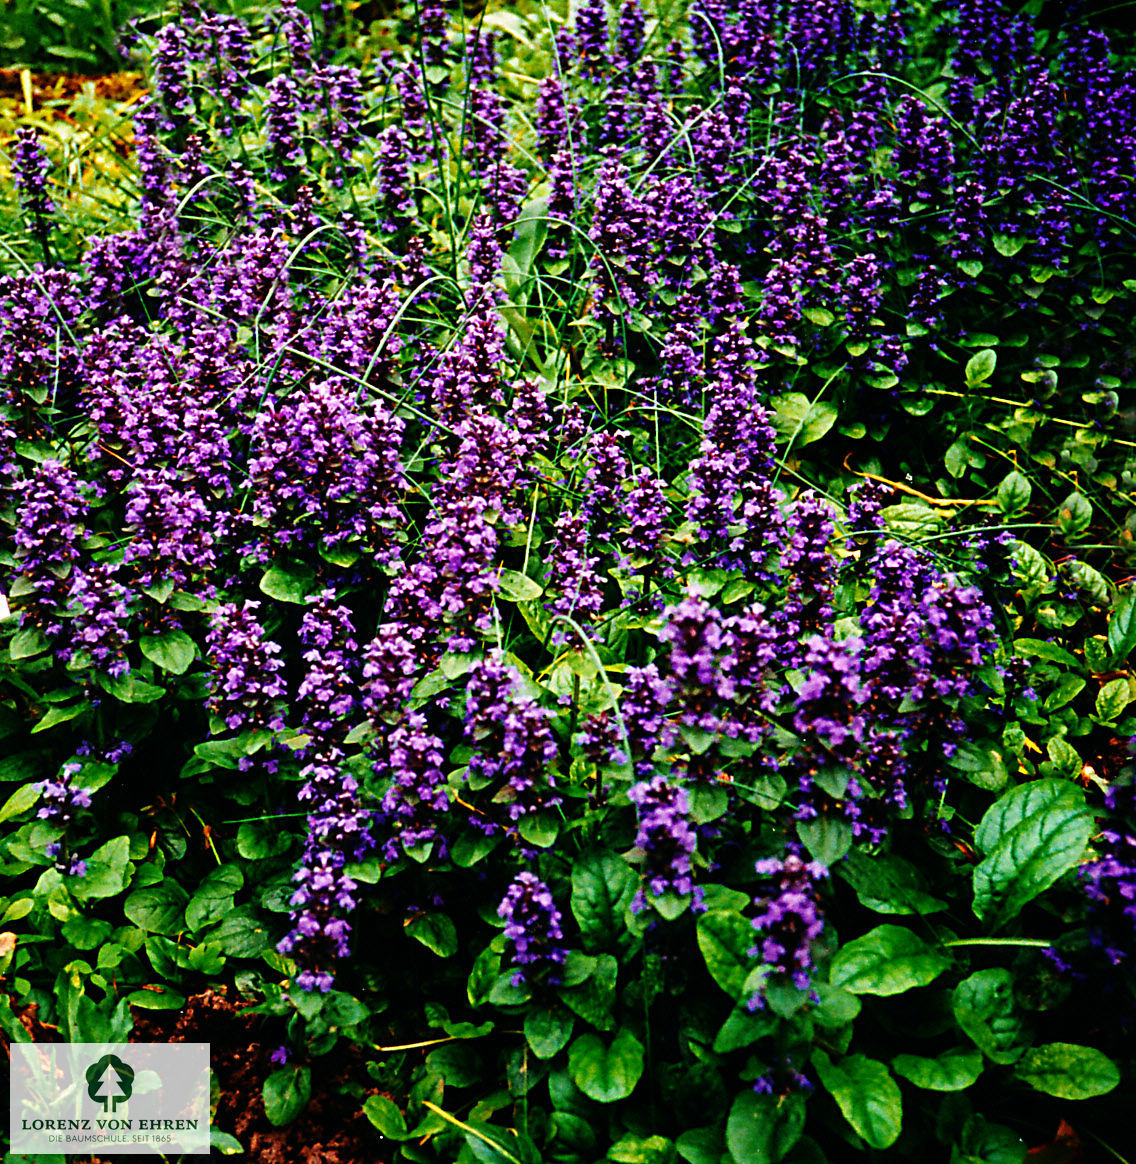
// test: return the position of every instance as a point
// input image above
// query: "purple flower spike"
(532, 928)
(788, 921)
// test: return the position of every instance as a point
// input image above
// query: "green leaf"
(983, 1006)
(1122, 626)
(243, 934)
(828, 838)
(594, 999)
(761, 1129)
(1014, 493)
(1067, 689)
(158, 908)
(59, 715)
(473, 846)
(1075, 515)
(606, 1074)
(539, 828)
(986, 1143)
(888, 960)
(27, 642)
(548, 1030)
(106, 873)
(224, 1143)
(86, 933)
(286, 1094)
(1113, 698)
(1009, 244)
(129, 689)
(866, 1094)
(518, 587)
(1043, 649)
(726, 940)
(603, 887)
(980, 367)
(172, 650)
(385, 1114)
(531, 228)
(1031, 836)
(214, 897)
(952, 1071)
(886, 883)
(1068, 1070)
(742, 1029)
(20, 801)
(288, 583)
(702, 1146)
(799, 420)
(257, 839)
(436, 931)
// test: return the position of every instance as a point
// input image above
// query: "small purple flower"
(788, 922)
(244, 666)
(532, 929)
(666, 838)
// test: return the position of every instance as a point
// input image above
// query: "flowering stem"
(626, 765)
(1040, 943)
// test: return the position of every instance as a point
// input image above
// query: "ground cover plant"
(578, 559)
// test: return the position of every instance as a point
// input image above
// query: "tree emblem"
(122, 1085)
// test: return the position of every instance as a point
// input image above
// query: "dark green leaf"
(384, 1113)
(761, 1129)
(1068, 1070)
(1122, 626)
(288, 583)
(606, 1073)
(952, 1071)
(548, 1030)
(1031, 836)
(214, 897)
(106, 873)
(286, 1094)
(1014, 493)
(27, 642)
(866, 1094)
(828, 838)
(436, 931)
(889, 960)
(243, 934)
(158, 908)
(603, 887)
(984, 1007)
(173, 650)
(726, 940)
(980, 367)
(1075, 515)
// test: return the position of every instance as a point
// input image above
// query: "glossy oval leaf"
(889, 960)
(604, 1073)
(1068, 1070)
(866, 1094)
(952, 1071)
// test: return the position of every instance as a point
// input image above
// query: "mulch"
(331, 1130)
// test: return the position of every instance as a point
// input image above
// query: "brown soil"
(332, 1129)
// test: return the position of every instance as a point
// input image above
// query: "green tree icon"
(124, 1081)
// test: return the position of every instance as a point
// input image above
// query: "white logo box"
(106, 1099)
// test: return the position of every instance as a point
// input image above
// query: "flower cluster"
(788, 922)
(533, 931)
(666, 839)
